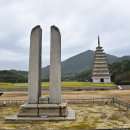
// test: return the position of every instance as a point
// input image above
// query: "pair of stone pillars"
(34, 92)
(47, 107)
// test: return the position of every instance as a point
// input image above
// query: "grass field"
(63, 84)
(12, 85)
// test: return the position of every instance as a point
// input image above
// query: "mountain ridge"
(81, 62)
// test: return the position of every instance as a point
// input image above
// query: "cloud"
(80, 22)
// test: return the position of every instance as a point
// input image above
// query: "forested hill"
(74, 66)
(13, 76)
(120, 73)
(81, 62)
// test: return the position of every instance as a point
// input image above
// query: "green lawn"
(46, 84)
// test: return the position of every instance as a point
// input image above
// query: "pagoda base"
(101, 79)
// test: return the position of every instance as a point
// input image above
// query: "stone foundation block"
(39, 110)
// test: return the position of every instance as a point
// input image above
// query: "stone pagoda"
(100, 72)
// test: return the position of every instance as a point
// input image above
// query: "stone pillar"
(34, 78)
(55, 66)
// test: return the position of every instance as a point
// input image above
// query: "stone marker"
(55, 66)
(44, 107)
(34, 80)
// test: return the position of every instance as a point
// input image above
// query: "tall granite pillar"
(55, 66)
(34, 79)
(44, 108)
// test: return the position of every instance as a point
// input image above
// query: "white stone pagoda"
(100, 72)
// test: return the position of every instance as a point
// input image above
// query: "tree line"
(13, 76)
(120, 74)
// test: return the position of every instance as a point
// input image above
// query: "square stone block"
(70, 117)
(44, 100)
(64, 111)
(49, 110)
(28, 110)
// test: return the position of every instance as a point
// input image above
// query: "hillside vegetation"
(80, 63)
(120, 72)
(13, 76)
(77, 68)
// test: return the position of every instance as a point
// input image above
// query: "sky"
(79, 21)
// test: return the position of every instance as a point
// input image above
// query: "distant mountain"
(81, 62)
(76, 68)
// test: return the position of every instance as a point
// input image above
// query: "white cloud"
(12, 56)
(80, 22)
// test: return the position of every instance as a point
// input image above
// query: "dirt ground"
(120, 94)
(87, 115)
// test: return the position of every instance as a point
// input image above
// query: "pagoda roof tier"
(102, 73)
(100, 58)
(99, 48)
(101, 76)
(101, 62)
(98, 75)
(100, 55)
(99, 51)
(101, 69)
(100, 66)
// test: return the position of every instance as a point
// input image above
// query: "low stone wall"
(74, 101)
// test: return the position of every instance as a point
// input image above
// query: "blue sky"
(80, 22)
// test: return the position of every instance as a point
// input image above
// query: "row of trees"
(120, 74)
(13, 76)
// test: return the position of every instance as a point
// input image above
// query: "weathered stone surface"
(28, 110)
(34, 80)
(49, 110)
(44, 100)
(70, 116)
(100, 71)
(55, 66)
(44, 108)
(53, 110)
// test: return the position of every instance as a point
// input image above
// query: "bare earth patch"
(87, 115)
(120, 94)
